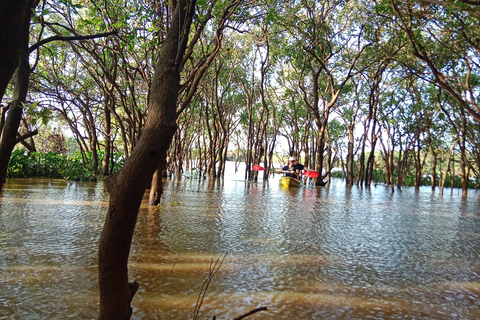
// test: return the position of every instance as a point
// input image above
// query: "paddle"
(309, 174)
(260, 168)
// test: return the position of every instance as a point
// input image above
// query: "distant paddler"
(293, 169)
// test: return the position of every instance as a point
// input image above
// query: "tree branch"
(251, 312)
(26, 136)
(72, 38)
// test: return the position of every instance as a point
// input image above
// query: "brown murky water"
(303, 253)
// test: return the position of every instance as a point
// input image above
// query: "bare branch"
(251, 312)
(72, 38)
(26, 136)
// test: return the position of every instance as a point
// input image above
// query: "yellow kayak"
(290, 182)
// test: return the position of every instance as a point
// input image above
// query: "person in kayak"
(294, 168)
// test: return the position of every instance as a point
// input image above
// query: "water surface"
(307, 253)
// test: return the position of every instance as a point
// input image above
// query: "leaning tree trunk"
(128, 186)
(8, 137)
(12, 14)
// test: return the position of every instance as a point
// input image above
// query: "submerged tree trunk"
(463, 154)
(433, 179)
(419, 161)
(390, 166)
(370, 167)
(128, 186)
(443, 175)
(433, 152)
(350, 174)
(156, 188)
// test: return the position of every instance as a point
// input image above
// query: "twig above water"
(214, 267)
(251, 312)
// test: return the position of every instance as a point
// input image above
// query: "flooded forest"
(132, 134)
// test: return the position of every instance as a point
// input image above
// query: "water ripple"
(310, 253)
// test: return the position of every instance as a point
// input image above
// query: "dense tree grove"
(365, 86)
(334, 79)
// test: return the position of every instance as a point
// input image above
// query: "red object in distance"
(311, 174)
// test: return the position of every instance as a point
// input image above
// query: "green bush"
(56, 166)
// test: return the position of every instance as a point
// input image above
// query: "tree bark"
(463, 154)
(15, 110)
(108, 143)
(12, 13)
(156, 188)
(128, 186)
(350, 154)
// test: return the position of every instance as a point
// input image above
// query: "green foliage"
(202, 4)
(56, 166)
(38, 113)
(336, 129)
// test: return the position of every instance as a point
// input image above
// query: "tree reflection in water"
(308, 253)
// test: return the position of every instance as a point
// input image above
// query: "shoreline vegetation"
(77, 166)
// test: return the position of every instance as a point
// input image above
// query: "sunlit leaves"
(384, 8)
(37, 114)
(202, 4)
(336, 129)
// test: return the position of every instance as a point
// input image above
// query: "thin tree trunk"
(350, 174)
(434, 169)
(156, 188)
(107, 138)
(463, 156)
(443, 177)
